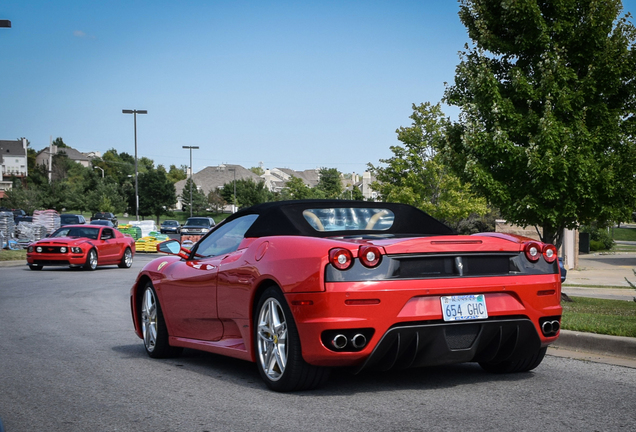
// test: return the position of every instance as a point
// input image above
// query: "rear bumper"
(416, 345)
(407, 322)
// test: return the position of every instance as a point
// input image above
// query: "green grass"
(625, 234)
(12, 255)
(608, 317)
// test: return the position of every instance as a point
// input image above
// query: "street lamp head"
(5, 23)
(190, 147)
(134, 111)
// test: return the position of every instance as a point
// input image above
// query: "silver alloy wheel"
(149, 319)
(92, 259)
(128, 258)
(272, 339)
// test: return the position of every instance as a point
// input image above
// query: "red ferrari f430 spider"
(299, 287)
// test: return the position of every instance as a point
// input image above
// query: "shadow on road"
(341, 381)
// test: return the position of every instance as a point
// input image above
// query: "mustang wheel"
(35, 267)
(91, 260)
(126, 259)
(522, 365)
(153, 326)
(277, 346)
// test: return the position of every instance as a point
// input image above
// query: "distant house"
(42, 157)
(13, 163)
(213, 177)
(276, 179)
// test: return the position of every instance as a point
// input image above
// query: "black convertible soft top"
(286, 218)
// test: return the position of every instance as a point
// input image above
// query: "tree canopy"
(156, 193)
(547, 94)
(416, 175)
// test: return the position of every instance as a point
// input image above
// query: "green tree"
(248, 193)
(105, 196)
(296, 189)
(330, 183)
(257, 170)
(546, 93)
(416, 174)
(176, 174)
(27, 199)
(199, 200)
(216, 201)
(157, 193)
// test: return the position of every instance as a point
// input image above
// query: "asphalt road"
(69, 361)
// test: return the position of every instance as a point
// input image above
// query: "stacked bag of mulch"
(133, 231)
(29, 232)
(50, 219)
(7, 227)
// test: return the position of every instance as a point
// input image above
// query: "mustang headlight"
(38, 249)
(76, 250)
(63, 249)
(30, 249)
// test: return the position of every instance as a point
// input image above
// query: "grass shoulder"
(608, 317)
(12, 255)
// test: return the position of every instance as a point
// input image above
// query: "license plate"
(464, 307)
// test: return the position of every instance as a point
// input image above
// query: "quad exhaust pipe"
(550, 327)
(358, 341)
(340, 341)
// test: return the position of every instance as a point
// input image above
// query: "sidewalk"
(602, 276)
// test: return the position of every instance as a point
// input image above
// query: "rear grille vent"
(441, 266)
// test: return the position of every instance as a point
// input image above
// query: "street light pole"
(135, 112)
(234, 203)
(191, 148)
(99, 168)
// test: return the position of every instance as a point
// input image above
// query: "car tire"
(91, 260)
(277, 347)
(126, 259)
(153, 326)
(35, 267)
(522, 365)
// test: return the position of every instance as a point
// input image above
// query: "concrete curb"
(616, 346)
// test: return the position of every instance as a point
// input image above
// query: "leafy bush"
(600, 238)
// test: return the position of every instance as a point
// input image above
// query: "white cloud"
(82, 35)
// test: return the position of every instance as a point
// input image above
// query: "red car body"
(87, 246)
(379, 297)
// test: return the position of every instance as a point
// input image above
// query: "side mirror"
(171, 247)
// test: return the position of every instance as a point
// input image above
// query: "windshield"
(170, 223)
(198, 222)
(90, 233)
(69, 219)
(349, 219)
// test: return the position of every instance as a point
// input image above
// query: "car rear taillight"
(533, 251)
(370, 256)
(549, 253)
(341, 258)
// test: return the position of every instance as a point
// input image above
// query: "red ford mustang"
(82, 246)
(302, 286)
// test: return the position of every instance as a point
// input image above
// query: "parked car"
(170, 227)
(103, 222)
(19, 219)
(105, 216)
(71, 219)
(197, 225)
(82, 246)
(304, 286)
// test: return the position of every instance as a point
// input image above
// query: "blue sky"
(299, 85)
